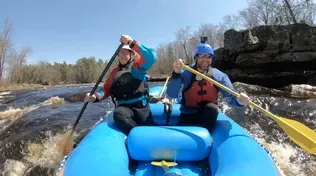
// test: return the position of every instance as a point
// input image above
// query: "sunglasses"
(208, 56)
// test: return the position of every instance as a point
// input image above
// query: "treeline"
(13, 66)
(86, 70)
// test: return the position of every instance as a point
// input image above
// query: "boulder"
(271, 55)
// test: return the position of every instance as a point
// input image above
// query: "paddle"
(164, 86)
(65, 144)
(298, 132)
(158, 98)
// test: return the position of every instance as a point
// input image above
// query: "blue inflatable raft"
(168, 150)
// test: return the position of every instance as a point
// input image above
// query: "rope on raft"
(62, 164)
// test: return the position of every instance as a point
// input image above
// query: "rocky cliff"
(270, 56)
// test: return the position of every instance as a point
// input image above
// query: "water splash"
(14, 168)
(284, 102)
(9, 116)
(12, 113)
(39, 157)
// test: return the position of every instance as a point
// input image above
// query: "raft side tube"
(101, 152)
(183, 143)
(235, 152)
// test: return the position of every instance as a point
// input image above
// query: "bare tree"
(231, 21)
(288, 5)
(5, 45)
(304, 11)
(18, 59)
(295, 11)
(270, 12)
(183, 35)
(248, 18)
(311, 10)
(209, 31)
(265, 10)
(220, 34)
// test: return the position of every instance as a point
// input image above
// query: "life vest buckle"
(201, 83)
(202, 92)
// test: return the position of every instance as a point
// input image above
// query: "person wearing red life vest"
(199, 96)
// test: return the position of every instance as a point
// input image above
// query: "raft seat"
(165, 114)
(180, 143)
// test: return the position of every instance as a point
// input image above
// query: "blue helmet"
(204, 48)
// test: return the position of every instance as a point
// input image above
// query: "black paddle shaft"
(97, 83)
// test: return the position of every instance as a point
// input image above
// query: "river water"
(32, 121)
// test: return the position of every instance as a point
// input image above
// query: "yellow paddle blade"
(299, 133)
(163, 163)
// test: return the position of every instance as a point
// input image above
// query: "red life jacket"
(200, 92)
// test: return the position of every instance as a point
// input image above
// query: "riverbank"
(10, 87)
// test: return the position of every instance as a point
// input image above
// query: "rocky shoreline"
(270, 56)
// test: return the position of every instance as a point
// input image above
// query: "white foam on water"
(2, 124)
(282, 152)
(14, 168)
(108, 112)
(288, 157)
(11, 113)
(5, 93)
(225, 107)
(53, 102)
(15, 113)
(44, 154)
(9, 116)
